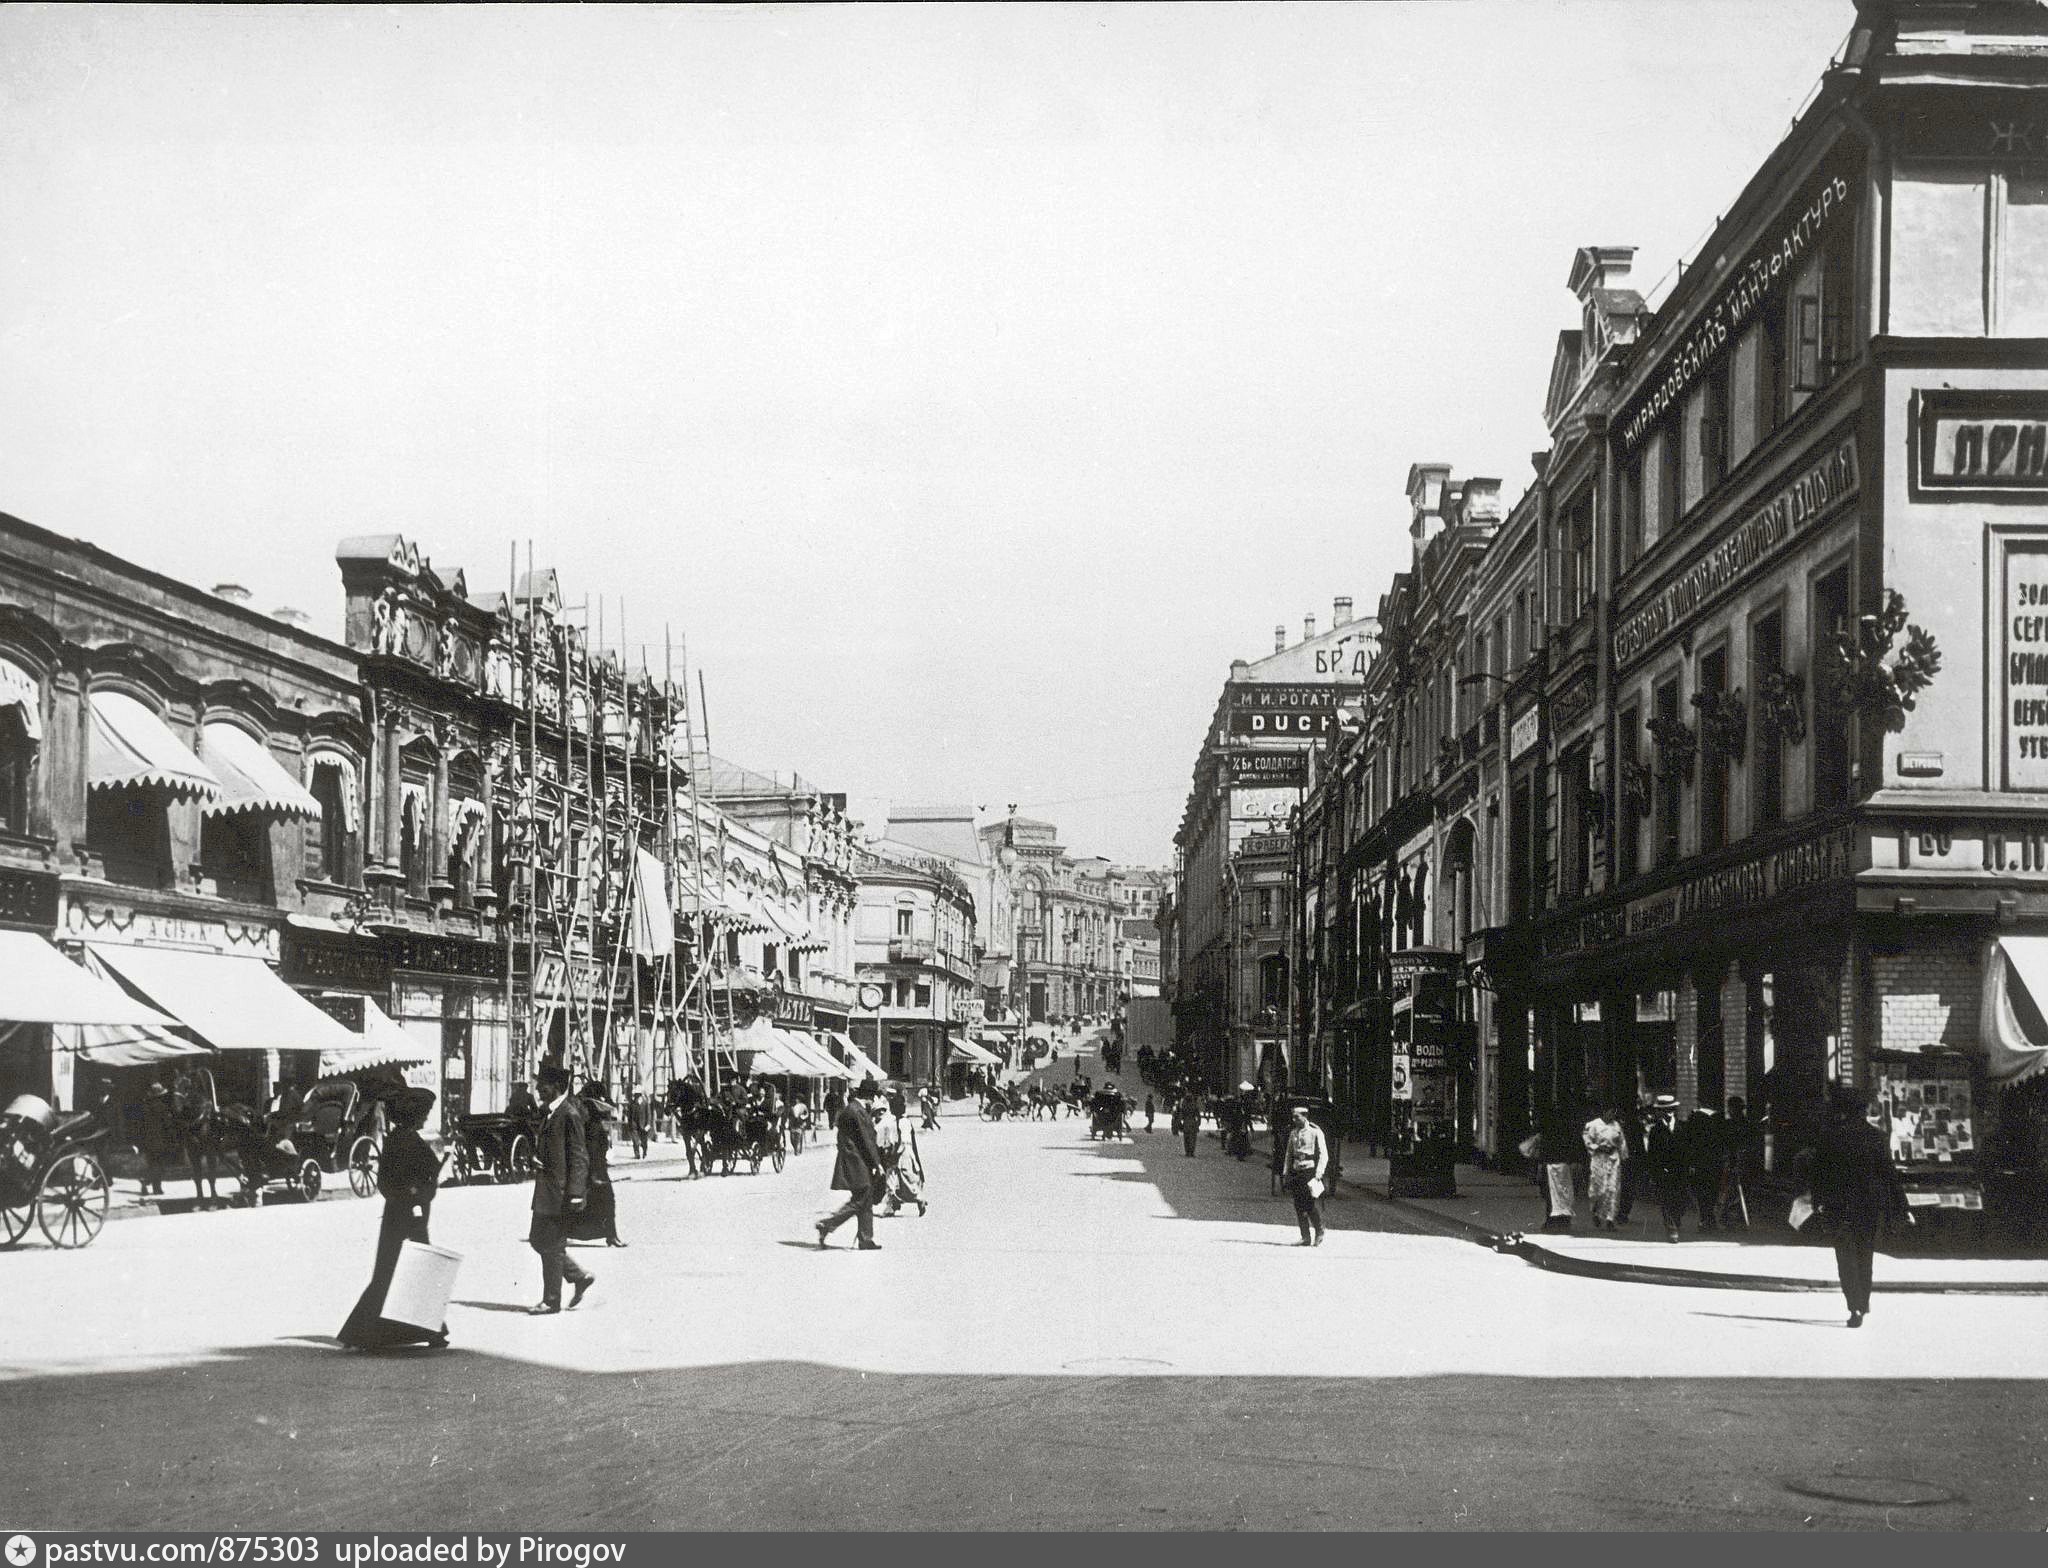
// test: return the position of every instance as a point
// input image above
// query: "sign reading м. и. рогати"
(1283, 712)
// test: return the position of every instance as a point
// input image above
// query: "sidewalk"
(1501, 1212)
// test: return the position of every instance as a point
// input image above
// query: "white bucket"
(421, 1285)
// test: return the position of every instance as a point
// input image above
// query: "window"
(904, 916)
(128, 830)
(1632, 543)
(1497, 647)
(17, 769)
(1831, 722)
(1520, 857)
(1714, 762)
(327, 839)
(1665, 443)
(234, 853)
(1669, 785)
(1767, 739)
(924, 993)
(771, 957)
(1575, 823)
(1578, 541)
(412, 844)
(1628, 742)
(1714, 441)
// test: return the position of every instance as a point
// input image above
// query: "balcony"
(908, 950)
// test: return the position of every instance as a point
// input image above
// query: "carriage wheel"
(307, 1183)
(362, 1166)
(71, 1203)
(519, 1162)
(779, 1155)
(461, 1161)
(16, 1218)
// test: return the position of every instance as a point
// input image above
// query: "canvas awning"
(765, 1042)
(39, 985)
(2014, 1028)
(250, 778)
(230, 1002)
(383, 1043)
(132, 746)
(820, 1059)
(861, 1064)
(968, 1051)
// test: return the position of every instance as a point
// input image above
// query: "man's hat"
(867, 1088)
(1665, 1102)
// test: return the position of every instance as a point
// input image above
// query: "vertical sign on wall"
(2025, 686)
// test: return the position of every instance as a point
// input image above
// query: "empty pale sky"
(970, 384)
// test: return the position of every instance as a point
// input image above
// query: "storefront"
(28, 903)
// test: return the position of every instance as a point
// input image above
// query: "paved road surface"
(1079, 1335)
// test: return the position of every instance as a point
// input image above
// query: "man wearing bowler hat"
(857, 1172)
(1665, 1155)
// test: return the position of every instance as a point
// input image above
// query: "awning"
(968, 1051)
(860, 1064)
(232, 1003)
(383, 1043)
(2014, 1029)
(820, 1059)
(765, 1042)
(250, 778)
(39, 985)
(132, 746)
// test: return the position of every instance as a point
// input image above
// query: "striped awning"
(384, 1043)
(250, 778)
(132, 747)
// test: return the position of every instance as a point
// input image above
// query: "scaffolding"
(609, 926)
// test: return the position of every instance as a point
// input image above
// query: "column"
(437, 845)
(394, 799)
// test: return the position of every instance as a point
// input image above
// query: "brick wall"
(1928, 995)
(1686, 1037)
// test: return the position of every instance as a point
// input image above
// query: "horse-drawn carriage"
(340, 1127)
(50, 1175)
(724, 1135)
(497, 1144)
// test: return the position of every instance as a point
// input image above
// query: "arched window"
(328, 840)
(21, 706)
(412, 842)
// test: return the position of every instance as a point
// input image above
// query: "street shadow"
(1760, 1317)
(293, 1436)
(490, 1306)
(1214, 1187)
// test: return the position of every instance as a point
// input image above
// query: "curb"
(1539, 1256)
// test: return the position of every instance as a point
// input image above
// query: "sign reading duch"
(2025, 694)
(1276, 712)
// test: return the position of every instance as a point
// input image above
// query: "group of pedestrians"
(1698, 1165)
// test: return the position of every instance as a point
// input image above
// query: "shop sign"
(1972, 441)
(2024, 700)
(444, 955)
(334, 958)
(1285, 712)
(1767, 269)
(1524, 732)
(1280, 769)
(1757, 880)
(795, 1009)
(1753, 541)
(92, 920)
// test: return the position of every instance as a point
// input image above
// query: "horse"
(200, 1128)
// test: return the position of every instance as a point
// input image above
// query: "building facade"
(914, 945)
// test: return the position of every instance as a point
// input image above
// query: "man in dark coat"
(1187, 1120)
(561, 1188)
(857, 1172)
(1858, 1192)
(1665, 1162)
(1706, 1154)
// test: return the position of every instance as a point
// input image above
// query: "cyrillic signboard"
(2024, 691)
(1278, 769)
(1276, 712)
(1972, 441)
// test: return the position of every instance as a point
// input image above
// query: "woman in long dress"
(408, 1175)
(1605, 1147)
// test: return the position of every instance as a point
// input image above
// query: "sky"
(964, 387)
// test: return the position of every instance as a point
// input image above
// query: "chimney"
(1238, 670)
(290, 616)
(1340, 614)
(1308, 628)
(1280, 639)
(234, 593)
(1426, 484)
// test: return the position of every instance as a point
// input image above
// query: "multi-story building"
(1064, 937)
(1251, 773)
(1767, 752)
(914, 943)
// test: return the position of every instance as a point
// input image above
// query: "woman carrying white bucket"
(408, 1175)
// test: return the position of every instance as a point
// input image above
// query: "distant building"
(1064, 935)
(914, 941)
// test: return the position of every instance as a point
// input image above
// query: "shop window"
(1714, 760)
(234, 854)
(1628, 750)
(1768, 701)
(128, 832)
(1669, 785)
(1831, 722)
(17, 770)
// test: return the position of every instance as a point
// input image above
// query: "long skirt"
(367, 1328)
(1604, 1187)
(1557, 1188)
(599, 1220)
